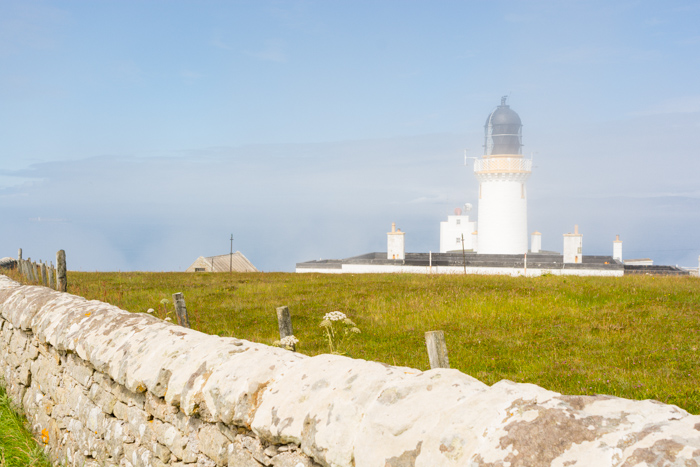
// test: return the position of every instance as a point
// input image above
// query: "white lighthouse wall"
(502, 217)
(451, 232)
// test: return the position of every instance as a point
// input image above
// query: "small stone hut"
(235, 262)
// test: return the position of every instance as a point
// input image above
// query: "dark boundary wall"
(104, 387)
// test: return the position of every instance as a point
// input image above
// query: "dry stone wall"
(104, 387)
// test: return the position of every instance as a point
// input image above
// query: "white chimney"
(475, 243)
(396, 243)
(536, 242)
(617, 249)
(573, 247)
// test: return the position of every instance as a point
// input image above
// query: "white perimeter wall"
(530, 272)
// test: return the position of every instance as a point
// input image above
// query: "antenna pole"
(230, 257)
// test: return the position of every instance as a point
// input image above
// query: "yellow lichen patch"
(45, 436)
(88, 314)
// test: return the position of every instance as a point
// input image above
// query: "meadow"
(17, 447)
(633, 337)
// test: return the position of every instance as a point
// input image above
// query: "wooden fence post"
(181, 310)
(51, 272)
(284, 323)
(19, 254)
(437, 349)
(44, 279)
(61, 276)
(30, 270)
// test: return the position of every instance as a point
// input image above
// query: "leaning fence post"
(61, 278)
(44, 279)
(181, 310)
(437, 349)
(284, 323)
(30, 270)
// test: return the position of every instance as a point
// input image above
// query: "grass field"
(634, 336)
(17, 447)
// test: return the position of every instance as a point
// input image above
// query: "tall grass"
(17, 447)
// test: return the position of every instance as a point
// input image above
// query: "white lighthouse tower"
(502, 173)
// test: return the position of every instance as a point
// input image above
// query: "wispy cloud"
(47, 220)
(29, 25)
(273, 51)
(128, 71)
(219, 43)
(692, 40)
(520, 17)
(190, 76)
(676, 105)
(595, 55)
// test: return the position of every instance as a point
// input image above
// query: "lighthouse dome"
(503, 131)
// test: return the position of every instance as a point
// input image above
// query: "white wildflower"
(335, 316)
(355, 330)
(165, 301)
(150, 310)
(289, 341)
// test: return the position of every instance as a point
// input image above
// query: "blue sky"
(140, 135)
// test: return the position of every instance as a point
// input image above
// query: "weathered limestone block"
(290, 459)
(214, 444)
(32, 350)
(128, 397)
(24, 375)
(79, 370)
(170, 437)
(234, 388)
(160, 452)
(18, 342)
(20, 304)
(238, 455)
(102, 398)
(121, 410)
(160, 409)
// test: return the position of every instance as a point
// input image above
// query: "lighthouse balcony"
(502, 165)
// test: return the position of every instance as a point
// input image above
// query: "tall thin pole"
(464, 256)
(230, 257)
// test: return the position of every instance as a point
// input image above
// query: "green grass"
(633, 337)
(17, 447)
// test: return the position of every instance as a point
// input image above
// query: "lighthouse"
(502, 173)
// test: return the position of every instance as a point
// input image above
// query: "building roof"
(222, 263)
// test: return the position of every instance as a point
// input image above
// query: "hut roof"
(222, 263)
